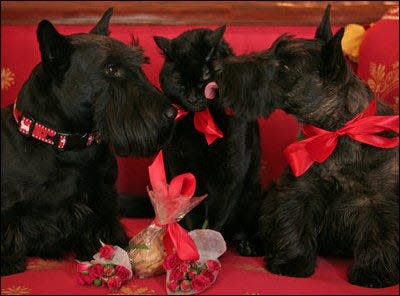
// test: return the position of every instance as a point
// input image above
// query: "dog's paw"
(246, 248)
(371, 277)
(115, 236)
(297, 267)
(12, 267)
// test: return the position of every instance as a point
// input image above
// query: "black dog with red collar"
(87, 99)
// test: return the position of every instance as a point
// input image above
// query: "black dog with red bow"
(222, 152)
(58, 169)
(343, 195)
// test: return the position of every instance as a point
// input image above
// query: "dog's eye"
(283, 68)
(113, 70)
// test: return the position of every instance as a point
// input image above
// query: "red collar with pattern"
(29, 127)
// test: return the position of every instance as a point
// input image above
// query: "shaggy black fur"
(346, 206)
(228, 170)
(55, 202)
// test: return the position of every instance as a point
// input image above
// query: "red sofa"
(239, 275)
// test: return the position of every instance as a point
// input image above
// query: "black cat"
(227, 162)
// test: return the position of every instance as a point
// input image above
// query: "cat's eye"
(206, 73)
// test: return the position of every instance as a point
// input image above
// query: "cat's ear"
(215, 40)
(101, 27)
(164, 44)
(217, 35)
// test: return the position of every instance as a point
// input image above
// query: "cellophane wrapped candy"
(171, 203)
(146, 251)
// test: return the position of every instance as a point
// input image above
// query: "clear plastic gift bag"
(146, 251)
(195, 276)
(171, 202)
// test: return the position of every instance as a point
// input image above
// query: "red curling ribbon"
(171, 200)
(319, 144)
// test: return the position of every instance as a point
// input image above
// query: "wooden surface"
(193, 12)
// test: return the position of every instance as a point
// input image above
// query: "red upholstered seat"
(378, 63)
(239, 275)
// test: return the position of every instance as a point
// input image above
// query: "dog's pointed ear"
(164, 44)
(55, 48)
(334, 63)
(324, 31)
(101, 27)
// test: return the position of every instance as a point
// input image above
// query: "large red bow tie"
(319, 143)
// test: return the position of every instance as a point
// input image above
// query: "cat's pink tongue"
(210, 90)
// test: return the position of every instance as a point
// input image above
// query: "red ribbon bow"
(319, 143)
(203, 122)
(170, 203)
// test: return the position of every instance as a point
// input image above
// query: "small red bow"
(319, 143)
(204, 123)
(203, 120)
(171, 202)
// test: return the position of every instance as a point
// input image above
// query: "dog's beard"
(136, 128)
(134, 134)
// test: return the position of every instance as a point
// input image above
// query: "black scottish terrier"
(227, 168)
(347, 205)
(86, 99)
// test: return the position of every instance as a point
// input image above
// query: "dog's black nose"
(170, 113)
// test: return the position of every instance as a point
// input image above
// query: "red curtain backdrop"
(20, 53)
